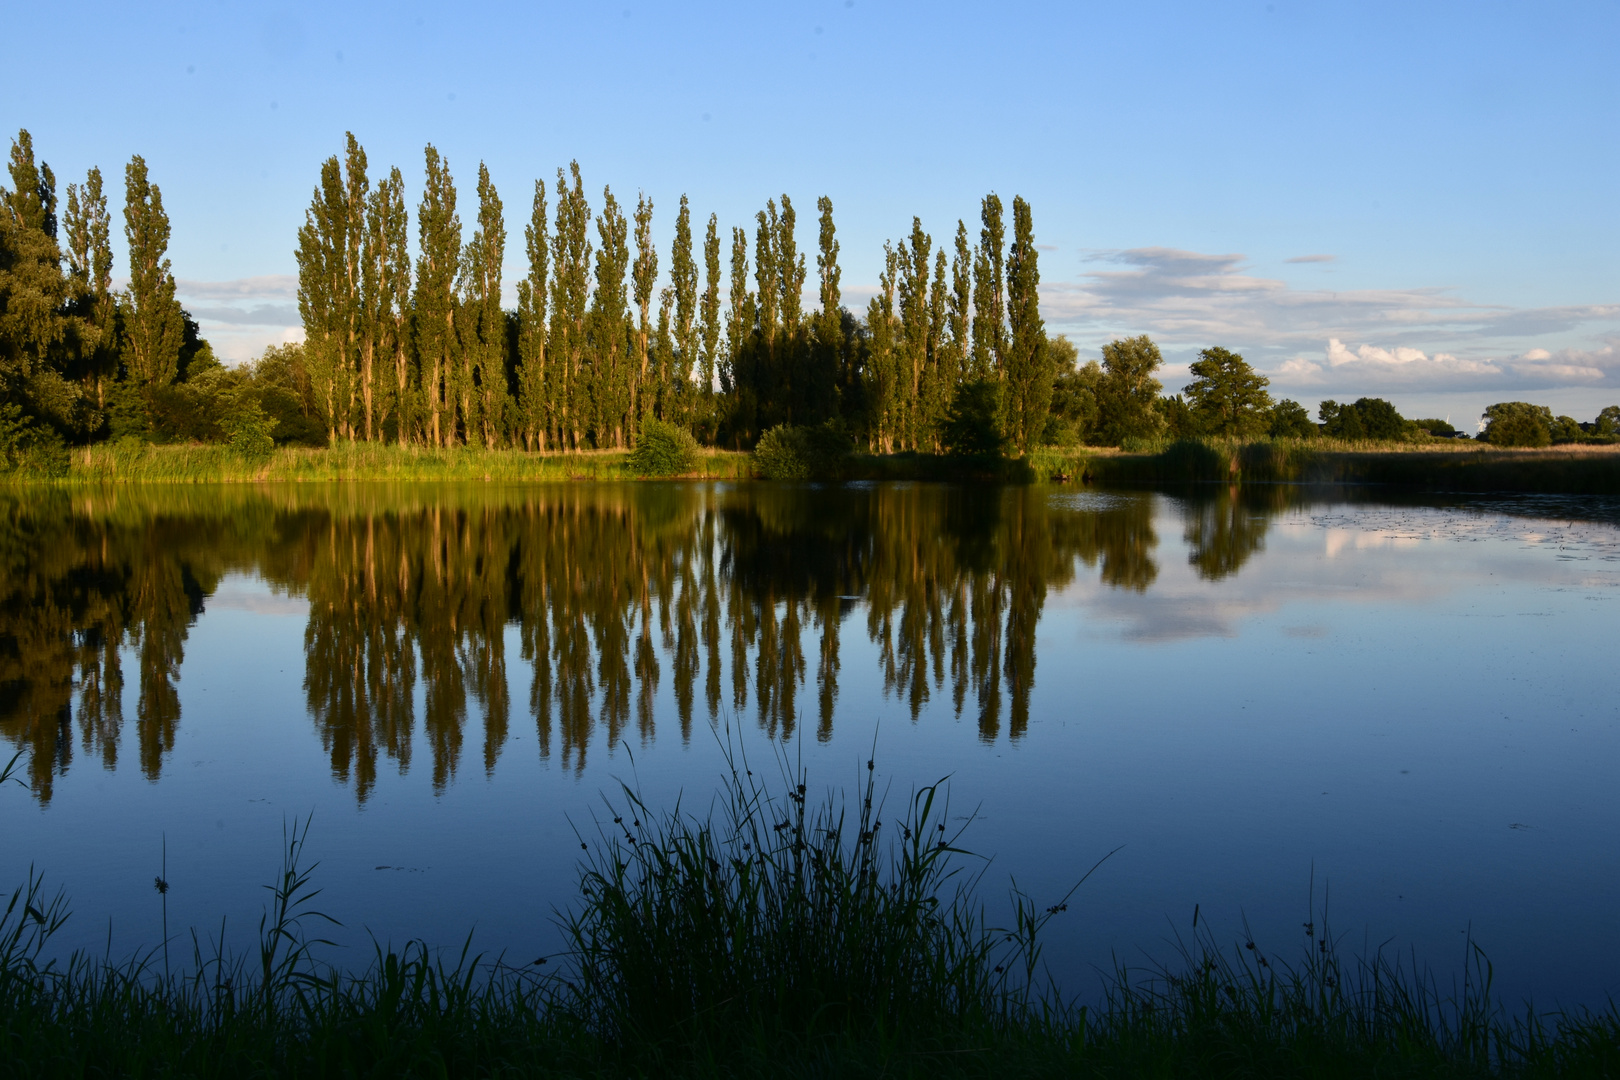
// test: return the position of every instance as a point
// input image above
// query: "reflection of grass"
(767, 938)
(194, 463)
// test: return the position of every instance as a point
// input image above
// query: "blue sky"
(1414, 201)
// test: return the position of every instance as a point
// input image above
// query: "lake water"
(1411, 702)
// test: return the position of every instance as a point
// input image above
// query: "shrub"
(789, 452)
(29, 447)
(973, 424)
(663, 449)
(248, 429)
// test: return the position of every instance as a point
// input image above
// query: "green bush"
(973, 424)
(1518, 423)
(789, 452)
(663, 449)
(28, 447)
(248, 429)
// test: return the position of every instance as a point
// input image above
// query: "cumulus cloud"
(1368, 340)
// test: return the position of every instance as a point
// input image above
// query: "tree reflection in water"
(608, 589)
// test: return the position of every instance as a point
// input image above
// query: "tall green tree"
(683, 273)
(911, 346)
(356, 345)
(1128, 391)
(610, 330)
(321, 293)
(438, 232)
(643, 280)
(535, 407)
(483, 385)
(989, 308)
(1227, 395)
(153, 326)
(570, 303)
(709, 321)
(828, 349)
(884, 368)
(388, 306)
(1028, 367)
(88, 227)
(34, 293)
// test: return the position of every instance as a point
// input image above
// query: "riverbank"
(1441, 467)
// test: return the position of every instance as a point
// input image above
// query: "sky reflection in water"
(1412, 701)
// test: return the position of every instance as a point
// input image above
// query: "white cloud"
(1369, 341)
(241, 317)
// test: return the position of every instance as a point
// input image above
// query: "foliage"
(1608, 421)
(1366, 418)
(1128, 394)
(1074, 415)
(1228, 395)
(663, 449)
(1517, 423)
(973, 425)
(29, 448)
(249, 429)
(1288, 419)
(1441, 428)
(787, 452)
(1178, 419)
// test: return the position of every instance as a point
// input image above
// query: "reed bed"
(765, 938)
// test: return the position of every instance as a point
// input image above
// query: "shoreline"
(1574, 470)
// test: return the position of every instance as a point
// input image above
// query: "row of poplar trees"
(78, 358)
(599, 343)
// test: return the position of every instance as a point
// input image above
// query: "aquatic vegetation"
(764, 938)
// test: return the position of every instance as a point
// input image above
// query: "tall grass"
(766, 937)
(1463, 466)
(204, 464)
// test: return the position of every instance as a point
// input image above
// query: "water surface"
(1409, 702)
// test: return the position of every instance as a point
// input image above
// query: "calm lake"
(1412, 702)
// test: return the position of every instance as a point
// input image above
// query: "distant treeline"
(951, 355)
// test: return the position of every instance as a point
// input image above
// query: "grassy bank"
(768, 938)
(1463, 467)
(211, 464)
(1451, 467)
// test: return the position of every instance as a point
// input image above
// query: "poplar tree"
(709, 317)
(570, 298)
(829, 326)
(883, 370)
(683, 274)
(534, 404)
(483, 382)
(735, 375)
(321, 291)
(89, 226)
(386, 297)
(790, 269)
(960, 304)
(153, 327)
(644, 278)
(942, 374)
(989, 318)
(439, 252)
(388, 233)
(356, 192)
(611, 372)
(1028, 365)
(767, 273)
(911, 347)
